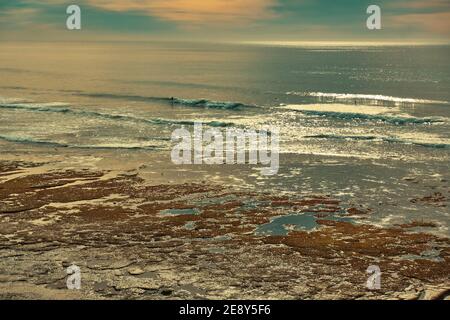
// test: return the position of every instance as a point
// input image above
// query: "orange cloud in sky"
(422, 4)
(429, 15)
(194, 11)
(433, 22)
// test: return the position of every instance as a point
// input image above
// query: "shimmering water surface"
(367, 125)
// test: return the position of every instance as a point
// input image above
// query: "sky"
(415, 21)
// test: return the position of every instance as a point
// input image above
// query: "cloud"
(433, 22)
(18, 16)
(194, 11)
(432, 16)
(422, 4)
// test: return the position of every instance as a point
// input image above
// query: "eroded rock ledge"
(133, 240)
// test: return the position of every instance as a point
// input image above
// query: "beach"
(134, 240)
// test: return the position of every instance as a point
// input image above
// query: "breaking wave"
(54, 144)
(61, 108)
(383, 139)
(398, 120)
(365, 97)
(202, 103)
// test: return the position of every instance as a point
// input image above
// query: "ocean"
(367, 125)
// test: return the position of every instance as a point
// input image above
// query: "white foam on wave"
(362, 113)
(341, 108)
(59, 107)
(116, 144)
(429, 142)
(12, 100)
(359, 96)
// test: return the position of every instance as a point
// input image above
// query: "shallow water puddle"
(178, 212)
(431, 255)
(189, 225)
(280, 226)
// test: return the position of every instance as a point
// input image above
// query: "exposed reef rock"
(174, 241)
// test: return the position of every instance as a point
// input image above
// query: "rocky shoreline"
(132, 240)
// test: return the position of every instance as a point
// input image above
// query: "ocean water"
(367, 125)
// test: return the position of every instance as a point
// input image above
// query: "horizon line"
(274, 43)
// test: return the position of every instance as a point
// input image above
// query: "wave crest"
(204, 103)
(392, 119)
(54, 144)
(58, 108)
(378, 138)
(365, 97)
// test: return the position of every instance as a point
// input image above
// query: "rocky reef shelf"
(205, 246)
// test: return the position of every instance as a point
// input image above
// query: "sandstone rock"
(135, 271)
(435, 293)
(412, 295)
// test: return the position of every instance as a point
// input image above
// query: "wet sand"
(135, 240)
